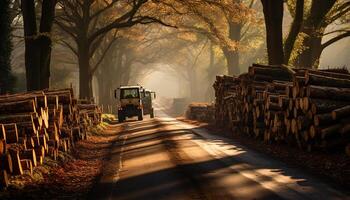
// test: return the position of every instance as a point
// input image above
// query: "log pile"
(303, 107)
(37, 124)
(201, 112)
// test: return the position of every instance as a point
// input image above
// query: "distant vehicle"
(148, 96)
(134, 101)
(130, 98)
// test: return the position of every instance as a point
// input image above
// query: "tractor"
(134, 101)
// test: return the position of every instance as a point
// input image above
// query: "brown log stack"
(37, 124)
(308, 108)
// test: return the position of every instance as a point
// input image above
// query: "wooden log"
(30, 144)
(29, 154)
(76, 131)
(294, 126)
(7, 162)
(4, 99)
(313, 131)
(40, 160)
(297, 112)
(42, 141)
(64, 98)
(28, 128)
(330, 93)
(299, 81)
(313, 79)
(283, 102)
(11, 133)
(53, 153)
(273, 106)
(27, 165)
(329, 74)
(26, 106)
(2, 132)
(273, 98)
(23, 142)
(278, 72)
(303, 123)
(15, 118)
(63, 145)
(52, 101)
(330, 131)
(44, 117)
(16, 162)
(41, 101)
(4, 181)
(319, 106)
(40, 153)
(323, 119)
(341, 112)
(53, 132)
(3, 147)
(53, 143)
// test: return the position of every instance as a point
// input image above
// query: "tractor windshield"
(129, 93)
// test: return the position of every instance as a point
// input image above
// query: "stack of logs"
(308, 108)
(200, 111)
(37, 124)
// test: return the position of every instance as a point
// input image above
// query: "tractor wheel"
(140, 115)
(152, 113)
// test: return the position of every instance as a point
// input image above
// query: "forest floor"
(70, 176)
(333, 167)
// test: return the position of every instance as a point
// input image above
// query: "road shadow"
(147, 139)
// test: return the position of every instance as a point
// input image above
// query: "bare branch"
(335, 39)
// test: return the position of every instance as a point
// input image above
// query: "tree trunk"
(232, 59)
(6, 77)
(47, 17)
(309, 58)
(37, 46)
(100, 82)
(294, 30)
(232, 56)
(313, 30)
(32, 50)
(273, 13)
(85, 78)
(209, 92)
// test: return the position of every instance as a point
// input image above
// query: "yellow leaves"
(298, 47)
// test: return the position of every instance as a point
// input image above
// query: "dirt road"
(163, 158)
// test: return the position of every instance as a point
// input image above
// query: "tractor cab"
(130, 102)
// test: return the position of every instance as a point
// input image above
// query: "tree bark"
(309, 58)
(47, 17)
(232, 59)
(32, 50)
(313, 30)
(37, 46)
(294, 31)
(232, 56)
(6, 77)
(209, 92)
(273, 13)
(85, 78)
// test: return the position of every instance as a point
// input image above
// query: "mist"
(179, 61)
